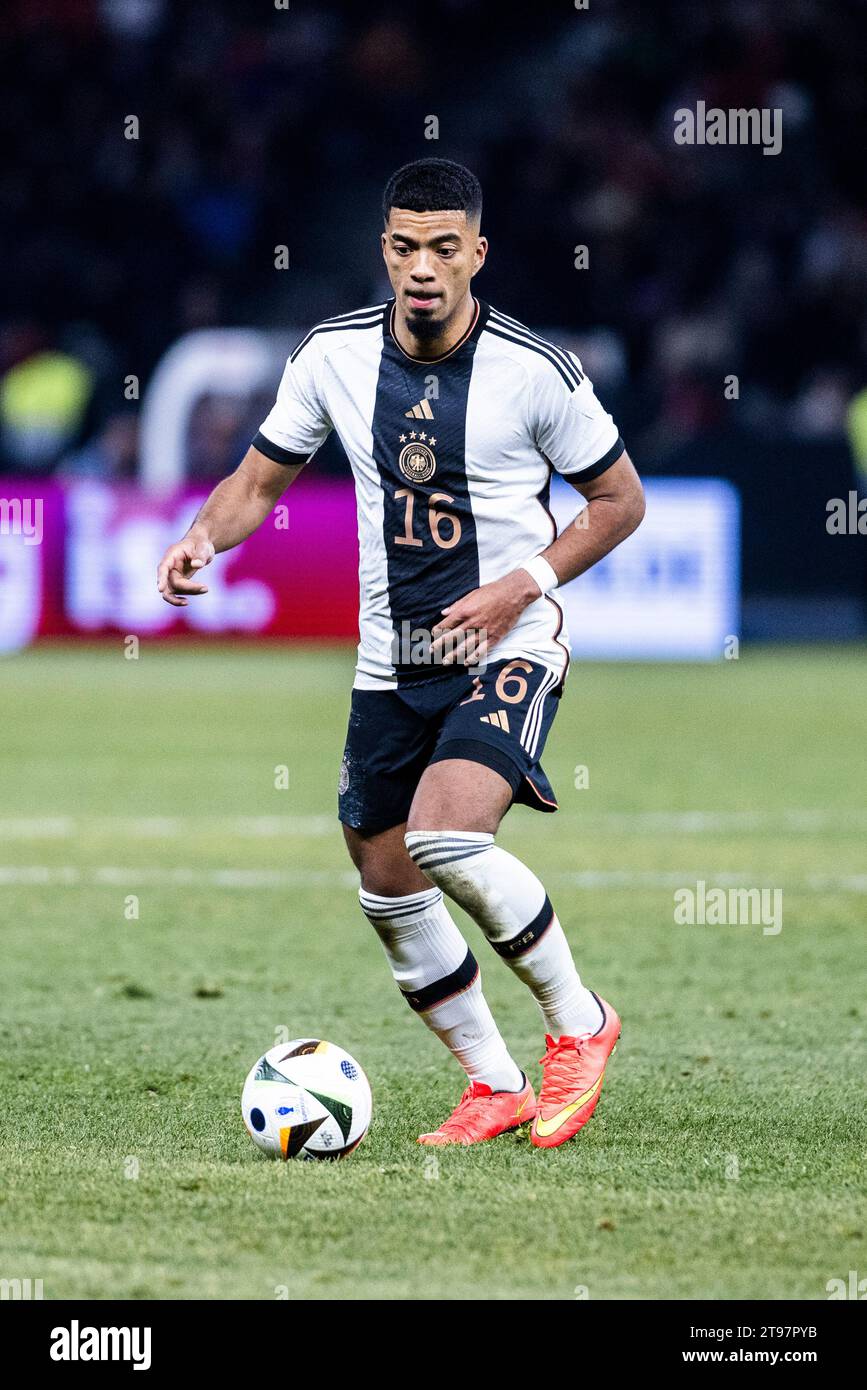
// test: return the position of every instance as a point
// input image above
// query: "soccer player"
(452, 415)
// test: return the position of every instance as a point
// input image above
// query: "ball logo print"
(306, 1099)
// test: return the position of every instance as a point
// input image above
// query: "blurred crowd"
(276, 124)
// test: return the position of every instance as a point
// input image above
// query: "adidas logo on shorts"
(499, 719)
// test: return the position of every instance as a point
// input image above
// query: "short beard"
(424, 328)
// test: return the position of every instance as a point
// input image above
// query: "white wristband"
(543, 573)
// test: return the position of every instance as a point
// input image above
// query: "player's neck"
(427, 349)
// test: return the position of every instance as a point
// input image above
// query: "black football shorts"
(499, 718)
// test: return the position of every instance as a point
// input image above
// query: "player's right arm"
(290, 435)
(234, 509)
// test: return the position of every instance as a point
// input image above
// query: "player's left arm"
(615, 507)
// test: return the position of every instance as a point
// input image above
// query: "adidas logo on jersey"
(422, 411)
(499, 719)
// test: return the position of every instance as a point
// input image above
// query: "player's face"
(431, 258)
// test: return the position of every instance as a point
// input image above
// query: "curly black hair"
(433, 185)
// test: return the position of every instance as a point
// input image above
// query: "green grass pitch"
(726, 1158)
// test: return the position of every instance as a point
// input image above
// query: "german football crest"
(417, 462)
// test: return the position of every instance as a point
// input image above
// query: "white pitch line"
(119, 876)
(277, 826)
(709, 822)
(34, 828)
(163, 827)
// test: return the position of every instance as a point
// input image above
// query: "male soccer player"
(453, 416)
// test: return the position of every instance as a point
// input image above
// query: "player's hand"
(176, 569)
(478, 621)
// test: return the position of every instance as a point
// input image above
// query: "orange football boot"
(572, 1072)
(483, 1114)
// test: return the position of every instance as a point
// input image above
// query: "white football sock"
(438, 975)
(515, 913)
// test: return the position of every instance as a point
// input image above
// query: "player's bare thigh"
(452, 795)
(457, 794)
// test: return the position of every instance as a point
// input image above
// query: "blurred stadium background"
(145, 323)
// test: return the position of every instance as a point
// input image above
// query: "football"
(307, 1099)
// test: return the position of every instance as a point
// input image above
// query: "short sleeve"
(297, 423)
(571, 427)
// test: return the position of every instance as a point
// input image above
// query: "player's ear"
(481, 253)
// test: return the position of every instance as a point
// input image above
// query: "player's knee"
(386, 875)
(379, 875)
(435, 851)
(416, 840)
(385, 884)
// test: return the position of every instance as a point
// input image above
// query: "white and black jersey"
(452, 462)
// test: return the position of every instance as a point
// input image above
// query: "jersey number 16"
(435, 519)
